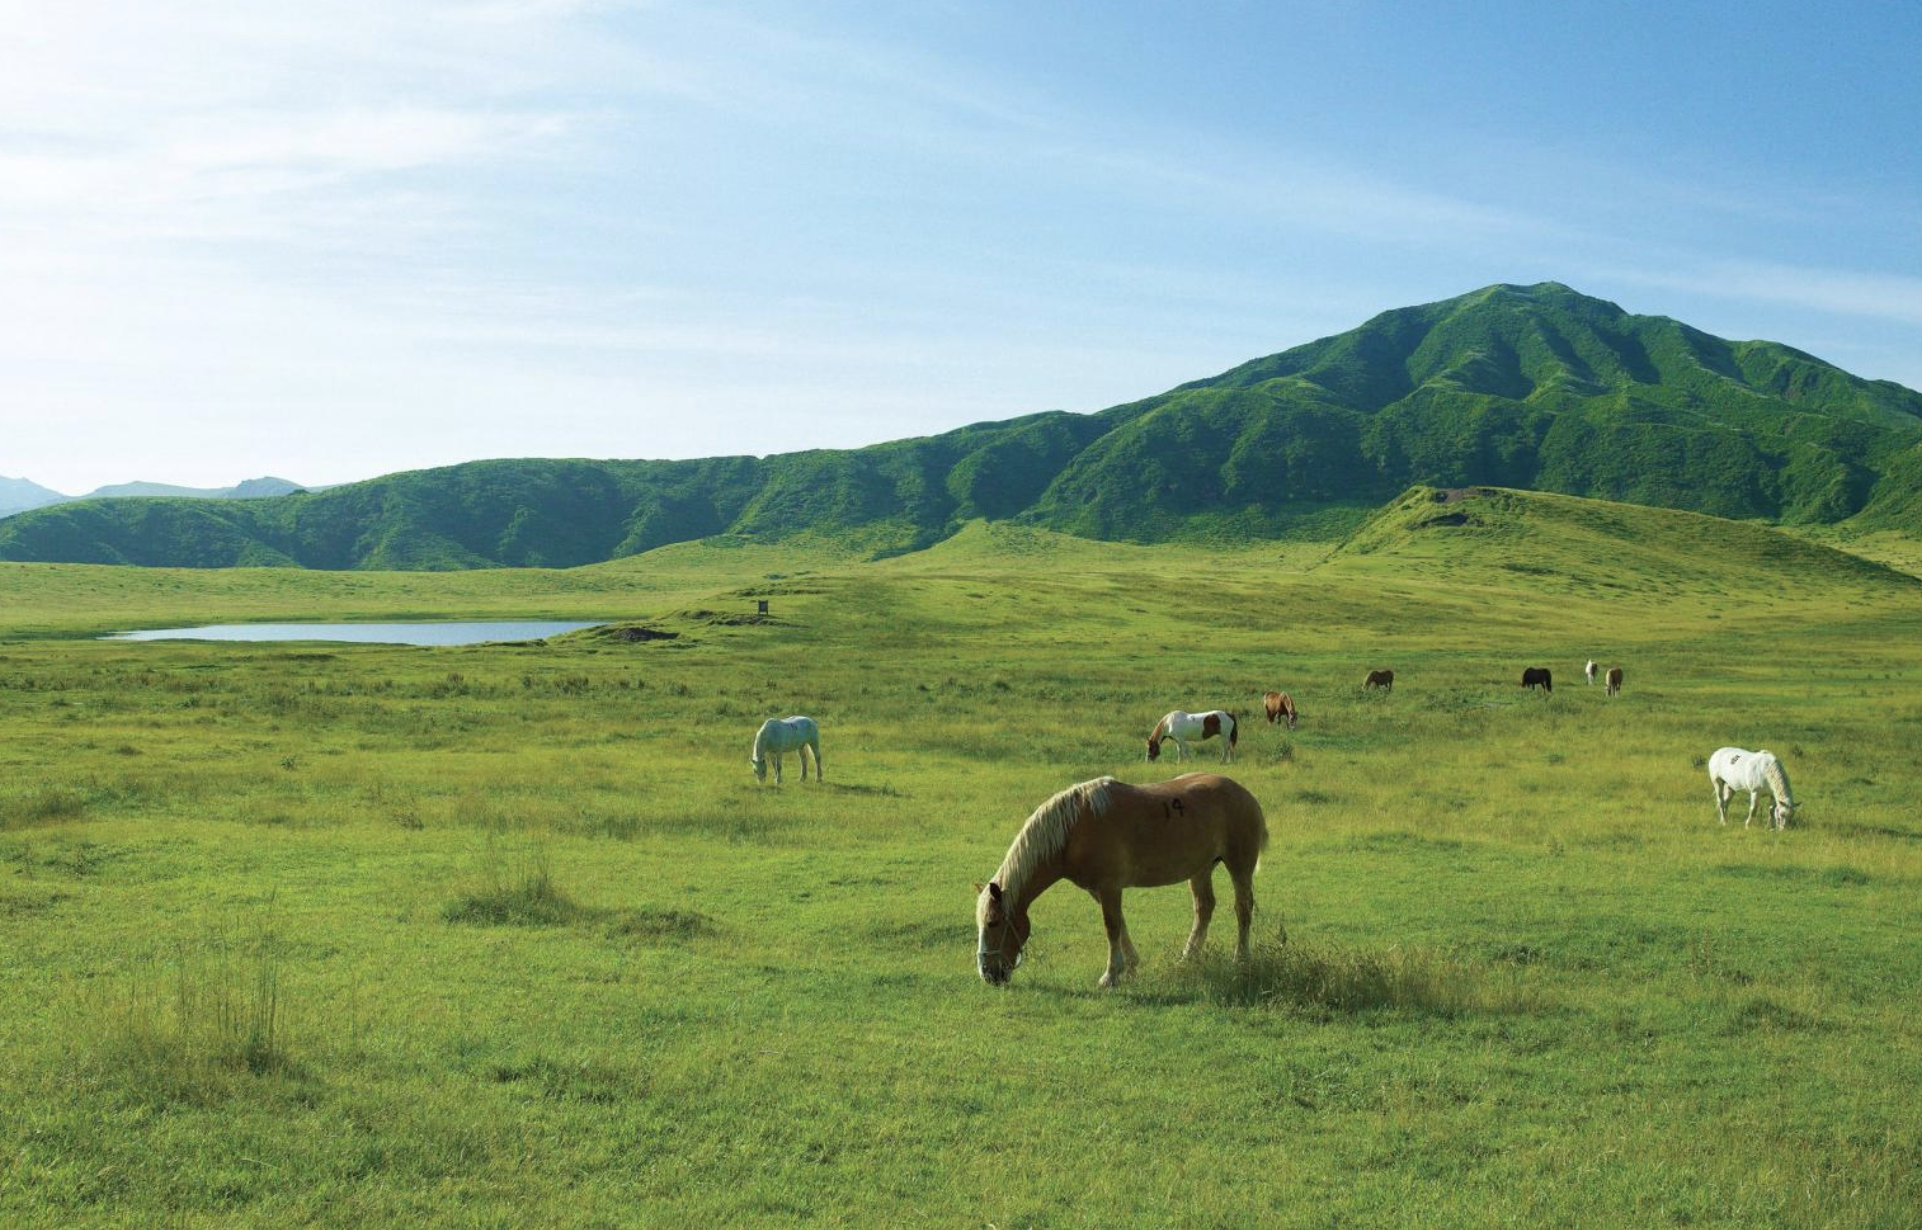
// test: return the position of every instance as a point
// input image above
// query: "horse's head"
(1154, 749)
(760, 768)
(1782, 812)
(1293, 717)
(1002, 931)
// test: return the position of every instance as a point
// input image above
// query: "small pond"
(465, 632)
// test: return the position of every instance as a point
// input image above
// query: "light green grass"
(536, 950)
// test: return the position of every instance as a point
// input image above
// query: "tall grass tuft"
(518, 892)
(1337, 980)
(190, 1032)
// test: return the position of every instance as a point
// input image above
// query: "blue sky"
(332, 241)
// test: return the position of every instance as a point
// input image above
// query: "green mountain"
(1534, 387)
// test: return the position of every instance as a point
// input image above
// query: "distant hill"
(251, 489)
(1532, 387)
(19, 494)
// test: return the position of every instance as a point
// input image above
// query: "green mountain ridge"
(1535, 387)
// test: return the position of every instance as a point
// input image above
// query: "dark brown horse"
(1379, 679)
(1614, 681)
(1103, 836)
(1279, 705)
(1538, 677)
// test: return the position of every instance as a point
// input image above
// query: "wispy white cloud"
(1844, 292)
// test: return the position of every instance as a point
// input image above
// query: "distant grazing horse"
(1104, 836)
(1614, 684)
(795, 734)
(1538, 677)
(1590, 670)
(1180, 726)
(1279, 705)
(1379, 679)
(1731, 769)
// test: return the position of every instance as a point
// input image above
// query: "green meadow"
(509, 936)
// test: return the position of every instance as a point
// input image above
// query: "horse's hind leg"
(816, 745)
(1118, 945)
(1203, 887)
(1721, 798)
(1244, 879)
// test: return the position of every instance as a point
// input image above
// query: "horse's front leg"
(1118, 944)
(1203, 888)
(777, 768)
(1752, 796)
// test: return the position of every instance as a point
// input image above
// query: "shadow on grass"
(1331, 980)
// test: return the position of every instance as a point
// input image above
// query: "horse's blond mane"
(1778, 778)
(1045, 834)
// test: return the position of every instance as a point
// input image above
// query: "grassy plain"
(508, 935)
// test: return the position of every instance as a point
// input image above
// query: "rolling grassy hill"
(1533, 387)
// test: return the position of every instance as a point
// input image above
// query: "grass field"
(509, 936)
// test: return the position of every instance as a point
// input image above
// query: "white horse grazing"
(1590, 670)
(1731, 769)
(1180, 726)
(795, 734)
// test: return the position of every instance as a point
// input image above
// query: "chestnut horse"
(1105, 835)
(1279, 705)
(1538, 677)
(1179, 726)
(1614, 681)
(1379, 679)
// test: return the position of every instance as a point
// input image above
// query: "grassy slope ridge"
(508, 935)
(1533, 387)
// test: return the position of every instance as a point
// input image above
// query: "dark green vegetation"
(1533, 387)
(508, 935)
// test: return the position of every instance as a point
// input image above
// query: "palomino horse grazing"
(1731, 769)
(1538, 677)
(1279, 705)
(1181, 726)
(795, 734)
(1104, 836)
(1379, 679)
(1589, 670)
(1614, 681)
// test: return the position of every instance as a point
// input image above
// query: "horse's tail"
(1234, 729)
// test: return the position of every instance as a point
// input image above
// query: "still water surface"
(462, 633)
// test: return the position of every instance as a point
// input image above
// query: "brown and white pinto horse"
(1179, 726)
(1614, 681)
(1105, 835)
(1538, 677)
(1384, 679)
(1279, 705)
